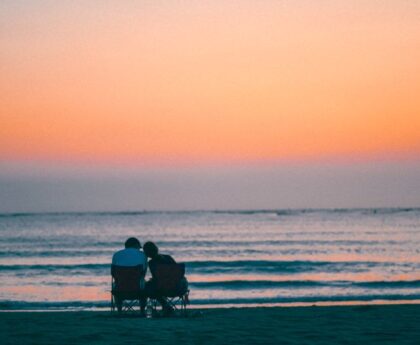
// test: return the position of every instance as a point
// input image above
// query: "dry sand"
(377, 324)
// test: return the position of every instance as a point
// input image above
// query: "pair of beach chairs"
(169, 280)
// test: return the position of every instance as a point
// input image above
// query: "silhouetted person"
(152, 251)
(131, 256)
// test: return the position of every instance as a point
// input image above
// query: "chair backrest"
(168, 276)
(127, 278)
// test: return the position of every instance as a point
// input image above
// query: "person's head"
(150, 249)
(132, 242)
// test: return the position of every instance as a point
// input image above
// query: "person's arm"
(170, 259)
(112, 265)
(152, 267)
(144, 264)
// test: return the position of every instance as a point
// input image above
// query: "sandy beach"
(377, 324)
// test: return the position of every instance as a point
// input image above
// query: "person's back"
(152, 286)
(129, 257)
(159, 259)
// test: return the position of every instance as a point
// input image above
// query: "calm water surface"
(253, 257)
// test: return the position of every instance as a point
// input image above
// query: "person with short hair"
(131, 256)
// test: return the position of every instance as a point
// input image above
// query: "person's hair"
(150, 249)
(133, 242)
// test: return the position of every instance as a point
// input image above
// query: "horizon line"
(222, 211)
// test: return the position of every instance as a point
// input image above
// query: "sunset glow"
(206, 81)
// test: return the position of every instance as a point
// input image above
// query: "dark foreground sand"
(378, 324)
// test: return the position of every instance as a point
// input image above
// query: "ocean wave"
(102, 249)
(236, 266)
(266, 266)
(389, 284)
(254, 284)
(311, 299)
(243, 282)
(220, 302)
(53, 268)
(272, 284)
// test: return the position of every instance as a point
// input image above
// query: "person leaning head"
(132, 242)
(150, 249)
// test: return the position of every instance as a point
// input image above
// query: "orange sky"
(208, 80)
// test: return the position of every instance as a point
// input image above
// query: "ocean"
(233, 258)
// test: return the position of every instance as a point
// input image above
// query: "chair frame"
(130, 300)
(178, 302)
(130, 305)
(182, 301)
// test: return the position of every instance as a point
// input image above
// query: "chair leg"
(178, 304)
(116, 304)
(184, 306)
(154, 306)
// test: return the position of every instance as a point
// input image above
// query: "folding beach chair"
(172, 285)
(126, 293)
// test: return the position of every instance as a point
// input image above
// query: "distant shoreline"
(355, 303)
(278, 211)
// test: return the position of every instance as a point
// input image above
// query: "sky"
(127, 105)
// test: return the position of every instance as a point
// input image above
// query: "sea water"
(62, 261)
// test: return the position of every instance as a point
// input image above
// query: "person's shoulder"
(118, 253)
(168, 259)
(129, 257)
(142, 256)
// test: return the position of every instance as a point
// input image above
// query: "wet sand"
(369, 324)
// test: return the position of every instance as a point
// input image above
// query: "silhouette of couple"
(132, 256)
